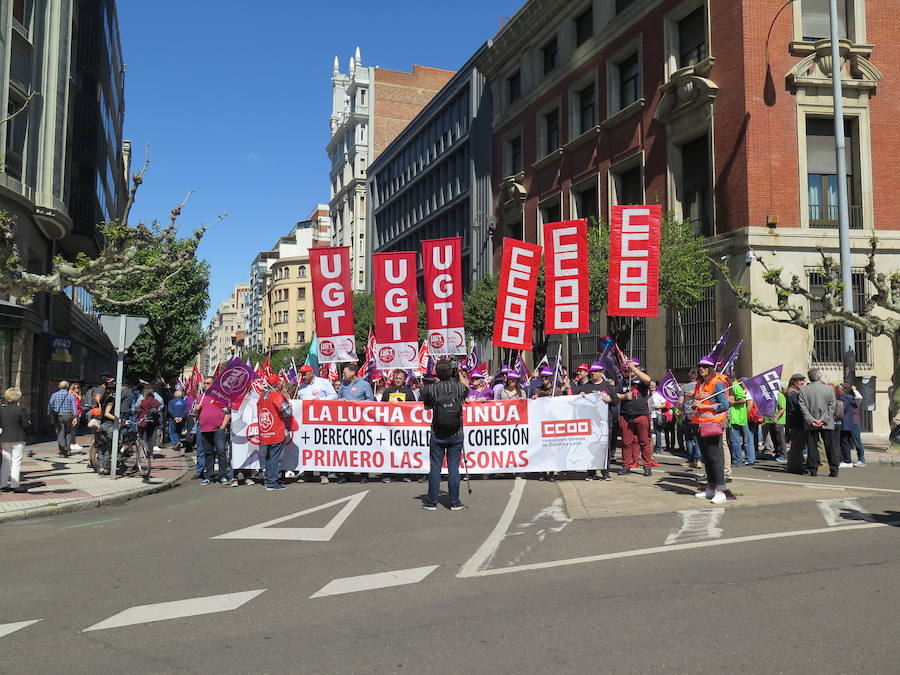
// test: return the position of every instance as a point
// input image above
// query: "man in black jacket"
(445, 399)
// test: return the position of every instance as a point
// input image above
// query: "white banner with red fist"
(442, 267)
(634, 261)
(396, 310)
(333, 303)
(516, 293)
(566, 277)
(565, 433)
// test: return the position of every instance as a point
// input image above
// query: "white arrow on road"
(267, 531)
(7, 628)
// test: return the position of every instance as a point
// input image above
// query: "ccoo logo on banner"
(634, 261)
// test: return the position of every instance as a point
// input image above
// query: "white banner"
(566, 433)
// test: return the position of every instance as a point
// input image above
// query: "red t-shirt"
(212, 413)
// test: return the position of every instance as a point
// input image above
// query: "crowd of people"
(714, 424)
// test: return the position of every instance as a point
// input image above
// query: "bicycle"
(134, 456)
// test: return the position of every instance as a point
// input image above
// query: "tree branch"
(22, 109)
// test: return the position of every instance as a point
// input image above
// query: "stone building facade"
(720, 110)
(64, 169)
(227, 329)
(370, 107)
(287, 306)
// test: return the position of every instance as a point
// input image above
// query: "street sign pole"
(122, 331)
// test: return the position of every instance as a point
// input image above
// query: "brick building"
(721, 110)
(370, 107)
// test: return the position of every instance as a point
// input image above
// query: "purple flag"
(763, 389)
(522, 370)
(233, 382)
(608, 358)
(292, 373)
(728, 368)
(718, 351)
(472, 362)
(669, 388)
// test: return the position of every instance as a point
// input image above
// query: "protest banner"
(763, 389)
(515, 295)
(232, 383)
(634, 261)
(566, 277)
(566, 433)
(442, 270)
(333, 303)
(396, 310)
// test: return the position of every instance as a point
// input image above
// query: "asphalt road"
(783, 588)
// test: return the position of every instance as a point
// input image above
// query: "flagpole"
(556, 369)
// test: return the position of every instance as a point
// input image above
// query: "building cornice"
(518, 32)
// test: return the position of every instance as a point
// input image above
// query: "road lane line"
(177, 609)
(193, 501)
(369, 582)
(675, 547)
(325, 533)
(7, 628)
(842, 512)
(489, 547)
(96, 522)
(825, 487)
(697, 525)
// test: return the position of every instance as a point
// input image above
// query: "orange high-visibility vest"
(705, 390)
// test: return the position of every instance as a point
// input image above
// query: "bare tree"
(879, 314)
(116, 260)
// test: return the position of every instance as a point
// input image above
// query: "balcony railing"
(826, 215)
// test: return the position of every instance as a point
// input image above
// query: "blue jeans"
(270, 459)
(199, 450)
(737, 434)
(691, 444)
(857, 441)
(214, 444)
(452, 446)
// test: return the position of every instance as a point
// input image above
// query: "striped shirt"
(62, 402)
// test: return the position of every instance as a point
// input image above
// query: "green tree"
(280, 358)
(364, 318)
(174, 334)
(684, 275)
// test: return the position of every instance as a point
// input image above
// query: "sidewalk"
(62, 484)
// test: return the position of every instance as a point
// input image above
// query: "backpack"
(149, 416)
(838, 410)
(448, 404)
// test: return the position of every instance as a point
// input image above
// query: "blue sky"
(234, 100)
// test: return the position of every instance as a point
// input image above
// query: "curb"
(95, 502)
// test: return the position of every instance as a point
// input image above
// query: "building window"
(362, 97)
(302, 271)
(692, 38)
(821, 174)
(551, 131)
(817, 19)
(584, 26)
(628, 186)
(514, 86)
(622, 5)
(21, 12)
(629, 81)
(587, 201)
(691, 332)
(828, 340)
(16, 130)
(301, 336)
(551, 55)
(301, 316)
(587, 109)
(301, 293)
(514, 148)
(551, 212)
(696, 201)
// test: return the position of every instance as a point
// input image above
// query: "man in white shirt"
(314, 387)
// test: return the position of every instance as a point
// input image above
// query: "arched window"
(302, 271)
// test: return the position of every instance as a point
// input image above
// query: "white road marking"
(176, 610)
(842, 512)
(824, 487)
(326, 533)
(697, 525)
(7, 628)
(488, 548)
(668, 549)
(552, 519)
(368, 582)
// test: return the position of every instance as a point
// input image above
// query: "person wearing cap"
(274, 412)
(817, 403)
(479, 390)
(545, 386)
(581, 383)
(500, 381)
(607, 391)
(511, 389)
(795, 431)
(314, 387)
(710, 413)
(634, 422)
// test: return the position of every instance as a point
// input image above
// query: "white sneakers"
(845, 465)
(712, 495)
(75, 446)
